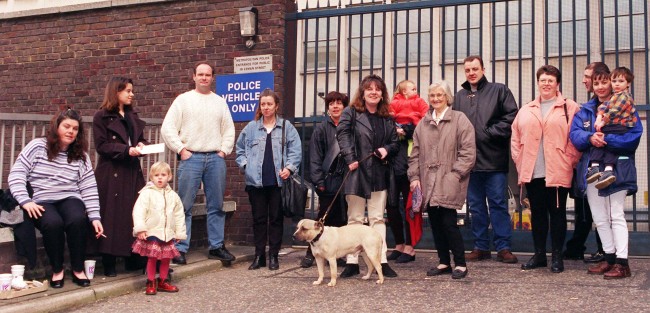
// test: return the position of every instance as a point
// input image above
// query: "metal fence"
(340, 42)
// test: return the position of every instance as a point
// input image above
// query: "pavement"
(490, 285)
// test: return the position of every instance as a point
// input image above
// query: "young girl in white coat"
(158, 223)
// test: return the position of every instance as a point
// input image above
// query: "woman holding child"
(607, 204)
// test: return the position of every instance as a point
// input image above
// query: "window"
(462, 35)
(507, 28)
(321, 40)
(567, 22)
(366, 40)
(617, 15)
(407, 36)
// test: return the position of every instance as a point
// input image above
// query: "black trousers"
(398, 225)
(583, 225)
(544, 210)
(446, 235)
(64, 220)
(267, 218)
(602, 155)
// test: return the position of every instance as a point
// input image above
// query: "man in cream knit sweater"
(198, 127)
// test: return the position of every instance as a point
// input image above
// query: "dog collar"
(317, 236)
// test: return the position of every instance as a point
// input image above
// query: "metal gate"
(339, 42)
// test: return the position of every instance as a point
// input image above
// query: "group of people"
(454, 149)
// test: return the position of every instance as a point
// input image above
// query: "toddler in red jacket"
(407, 108)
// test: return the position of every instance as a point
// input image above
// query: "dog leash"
(322, 219)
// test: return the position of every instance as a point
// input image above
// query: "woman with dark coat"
(327, 168)
(119, 135)
(367, 129)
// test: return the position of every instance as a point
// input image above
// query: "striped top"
(53, 180)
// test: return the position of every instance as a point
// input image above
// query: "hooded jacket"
(491, 109)
(624, 145)
(159, 212)
(442, 157)
(530, 128)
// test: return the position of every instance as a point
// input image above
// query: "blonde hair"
(399, 89)
(445, 88)
(159, 167)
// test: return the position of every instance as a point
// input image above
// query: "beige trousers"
(376, 206)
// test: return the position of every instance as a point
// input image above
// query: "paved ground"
(490, 286)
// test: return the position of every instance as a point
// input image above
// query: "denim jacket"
(250, 150)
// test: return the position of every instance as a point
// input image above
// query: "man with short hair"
(200, 129)
(491, 108)
(575, 247)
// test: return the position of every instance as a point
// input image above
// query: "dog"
(329, 243)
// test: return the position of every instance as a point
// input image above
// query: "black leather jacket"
(491, 109)
(323, 145)
(355, 139)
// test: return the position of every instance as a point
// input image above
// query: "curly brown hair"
(77, 150)
(359, 104)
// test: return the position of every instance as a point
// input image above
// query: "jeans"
(490, 185)
(210, 169)
(583, 222)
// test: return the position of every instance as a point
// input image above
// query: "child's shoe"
(605, 180)
(593, 174)
(151, 287)
(165, 286)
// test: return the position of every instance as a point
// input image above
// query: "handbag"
(10, 213)
(294, 190)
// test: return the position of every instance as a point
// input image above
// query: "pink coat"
(560, 155)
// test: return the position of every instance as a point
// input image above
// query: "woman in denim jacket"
(259, 156)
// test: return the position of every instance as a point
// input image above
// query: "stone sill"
(76, 7)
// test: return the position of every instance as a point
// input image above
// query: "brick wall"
(49, 61)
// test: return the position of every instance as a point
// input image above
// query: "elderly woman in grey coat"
(446, 139)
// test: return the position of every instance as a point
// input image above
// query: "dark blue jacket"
(623, 145)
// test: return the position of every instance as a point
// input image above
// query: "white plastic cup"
(18, 271)
(5, 282)
(89, 268)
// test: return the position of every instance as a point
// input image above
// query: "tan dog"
(329, 243)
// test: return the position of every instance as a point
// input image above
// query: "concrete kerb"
(73, 298)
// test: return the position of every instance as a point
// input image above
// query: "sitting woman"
(65, 197)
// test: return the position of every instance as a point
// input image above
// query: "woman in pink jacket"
(545, 158)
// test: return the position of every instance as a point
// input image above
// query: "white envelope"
(156, 148)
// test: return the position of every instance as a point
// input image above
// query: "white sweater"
(200, 123)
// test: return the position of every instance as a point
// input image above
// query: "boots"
(258, 261)
(557, 264)
(151, 287)
(273, 262)
(538, 260)
(165, 286)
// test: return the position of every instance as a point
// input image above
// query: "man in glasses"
(491, 108)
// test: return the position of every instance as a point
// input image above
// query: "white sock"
(609, 168)
(594, 165)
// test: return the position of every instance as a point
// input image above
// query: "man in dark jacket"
(491, 108)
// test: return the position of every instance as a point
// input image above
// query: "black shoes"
(307, 261)
(394, 255)
(180, 260)
(405, 258)
(595, 258)
(386, 270)
(273, 262)
(458, 273)
(439, 271)
(538, 260)
(56, 283)
(221, 254)
(557, 265)
(81, 282)
(258, 261)
(352, 270)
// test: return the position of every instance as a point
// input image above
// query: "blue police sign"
(242, 92)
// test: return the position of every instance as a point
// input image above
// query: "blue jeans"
(210, 169)
(490, 185)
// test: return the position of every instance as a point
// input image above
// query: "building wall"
(55, 60)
